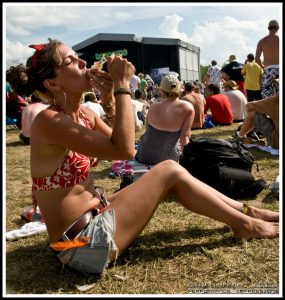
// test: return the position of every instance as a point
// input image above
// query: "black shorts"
(25, 140)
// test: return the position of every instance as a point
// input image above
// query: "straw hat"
(232, 84)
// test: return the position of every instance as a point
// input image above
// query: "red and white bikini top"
(74, 169)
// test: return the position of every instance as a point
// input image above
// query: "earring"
(54, 101)
(64, 94)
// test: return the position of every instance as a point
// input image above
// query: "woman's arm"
(96, 122)
(56, 128)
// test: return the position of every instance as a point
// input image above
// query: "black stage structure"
(149, 55)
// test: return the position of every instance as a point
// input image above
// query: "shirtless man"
(198, 102)
(269, 47)
(29, 113)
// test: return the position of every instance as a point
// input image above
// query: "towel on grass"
(269, 149)
(28, 229)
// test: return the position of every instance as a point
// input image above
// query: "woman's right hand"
(120, 70)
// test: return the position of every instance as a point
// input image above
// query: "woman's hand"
(120, 70)
(104, 83)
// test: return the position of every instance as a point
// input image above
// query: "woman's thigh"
(135, 204)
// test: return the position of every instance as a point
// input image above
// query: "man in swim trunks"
(269, 47)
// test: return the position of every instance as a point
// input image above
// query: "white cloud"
(123, 16)
(228, 36)
(17, 53)
(218, 31)
(17, 30)
(169, 28)
(219, 39)
(33, 18)
(33, 24)
(24, 20)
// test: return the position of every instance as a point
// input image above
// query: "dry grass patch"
(178, 251)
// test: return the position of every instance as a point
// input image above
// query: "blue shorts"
(94, 257)
(269, 86)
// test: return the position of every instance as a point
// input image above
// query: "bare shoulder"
(155, 106)
(187, 105)
(187, 98)
(47, 122)
(85, 109)
(50, 120)
(268, 38)
(264, 39)
(89, 113)
(45, 117)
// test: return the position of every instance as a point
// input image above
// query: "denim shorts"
(265, 125)
(94, 257)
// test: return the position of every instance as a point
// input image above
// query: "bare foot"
(263, 214)
(258, 229)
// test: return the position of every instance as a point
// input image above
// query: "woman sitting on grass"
(85, 229)
(168, 125)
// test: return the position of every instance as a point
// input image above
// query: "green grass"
(177, 253)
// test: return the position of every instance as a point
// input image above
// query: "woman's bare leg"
(258, 213)
(135, 204)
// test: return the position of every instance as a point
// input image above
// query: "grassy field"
(179, 252)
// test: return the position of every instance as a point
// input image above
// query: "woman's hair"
(40, 66)
(174, 93)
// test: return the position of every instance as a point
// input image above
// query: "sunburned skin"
(98, 65)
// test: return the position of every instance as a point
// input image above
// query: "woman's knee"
(170, 169)
(168, 164)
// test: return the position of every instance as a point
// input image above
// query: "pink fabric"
(125, 167)
(122, 167)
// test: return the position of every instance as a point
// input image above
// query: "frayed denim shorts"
(265, 125)
(93, 257)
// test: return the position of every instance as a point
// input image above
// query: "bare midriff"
(61, 207)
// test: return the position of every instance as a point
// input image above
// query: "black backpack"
(226, 166)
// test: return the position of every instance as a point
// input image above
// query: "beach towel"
(269, 149)
(28, 229)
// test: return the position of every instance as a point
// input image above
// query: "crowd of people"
(92, 115)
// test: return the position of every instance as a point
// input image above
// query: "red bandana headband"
(38, 48)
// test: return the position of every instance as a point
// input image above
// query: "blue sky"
(219, 29)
